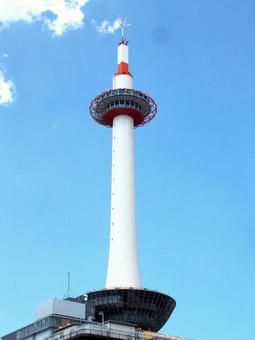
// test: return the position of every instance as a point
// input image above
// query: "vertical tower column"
(123, 265)
(123, 109)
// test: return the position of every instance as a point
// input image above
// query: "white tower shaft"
(123, 268)
(123, 265)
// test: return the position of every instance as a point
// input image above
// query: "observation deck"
(105, 107)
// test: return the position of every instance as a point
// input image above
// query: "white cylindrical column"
(123, 265)
(123, 79)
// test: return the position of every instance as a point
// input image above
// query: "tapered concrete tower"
(123, 108)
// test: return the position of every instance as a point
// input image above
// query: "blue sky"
(195, 162)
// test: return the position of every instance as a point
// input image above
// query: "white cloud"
(106, 27)
(7, 90)
(58, 15)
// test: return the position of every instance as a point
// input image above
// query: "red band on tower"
(123, 68)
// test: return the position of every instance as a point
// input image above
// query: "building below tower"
(69, 319)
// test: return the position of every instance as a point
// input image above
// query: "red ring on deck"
(140, 106)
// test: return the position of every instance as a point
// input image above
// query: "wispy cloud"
(7, 90)
(59, 16)
(107, 27)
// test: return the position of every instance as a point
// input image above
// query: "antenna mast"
(123, 25)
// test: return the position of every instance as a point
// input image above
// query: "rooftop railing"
(74, 332)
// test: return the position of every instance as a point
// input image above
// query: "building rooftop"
(109, 330)
(56, 327)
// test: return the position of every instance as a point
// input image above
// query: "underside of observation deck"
(142, 308)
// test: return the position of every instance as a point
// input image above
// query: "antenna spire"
(123, 26)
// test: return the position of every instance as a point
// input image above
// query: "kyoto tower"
(123, 108)
(124, 309)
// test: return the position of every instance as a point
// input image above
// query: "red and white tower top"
(123, 52)
(123, 78)
(123, 99)
(123, 57)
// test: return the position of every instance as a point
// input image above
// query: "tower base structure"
(108, 314)
(142, 308)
